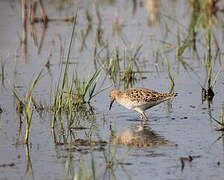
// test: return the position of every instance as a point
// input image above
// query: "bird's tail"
(174, 94)
(170, 95)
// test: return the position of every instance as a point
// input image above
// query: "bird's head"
(113, 95)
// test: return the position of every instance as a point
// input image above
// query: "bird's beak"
(111, 103)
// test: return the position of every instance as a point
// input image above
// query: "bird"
(139, 99)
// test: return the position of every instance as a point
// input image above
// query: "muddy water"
(179, 141)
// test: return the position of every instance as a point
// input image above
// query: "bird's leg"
(144, 117)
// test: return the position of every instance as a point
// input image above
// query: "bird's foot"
(144, 117)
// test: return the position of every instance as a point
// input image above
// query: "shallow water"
(185, 123)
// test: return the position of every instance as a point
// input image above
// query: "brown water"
(179, 130)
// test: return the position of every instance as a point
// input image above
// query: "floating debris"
(7, 165)
(84, 142)
(125, 163)
(79, 128)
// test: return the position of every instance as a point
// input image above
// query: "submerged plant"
(63, 79)
(85, 90)
(79, 93)
(28, 163)
(110, 156)
(122, 68)
(24, 105)
(85, 33)
(2, 71)
(73, 95)
(128, 76)
(167, 64)
(221, 122)
(203, 17)
(209, 64)
(113, 66)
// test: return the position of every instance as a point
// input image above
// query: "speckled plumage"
(139, 99)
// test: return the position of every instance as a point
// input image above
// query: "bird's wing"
(141, 94)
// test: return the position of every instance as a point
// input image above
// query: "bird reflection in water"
(140, 136)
